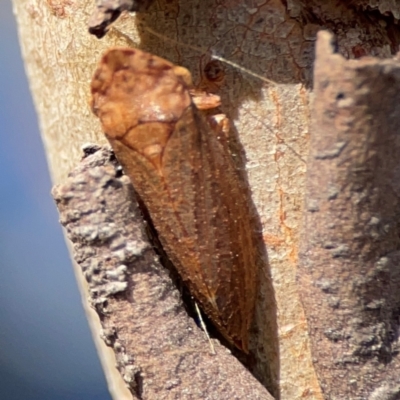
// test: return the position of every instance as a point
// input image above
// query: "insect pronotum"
(185, 176)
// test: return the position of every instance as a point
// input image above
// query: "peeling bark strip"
(160, 352)
(107, 11)
(184, 174)
(349, 275)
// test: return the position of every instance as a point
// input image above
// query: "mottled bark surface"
(274, 39)
(349, 274)
(107, 11)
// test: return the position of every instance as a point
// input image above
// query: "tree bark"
(274, 40)
(349, 274)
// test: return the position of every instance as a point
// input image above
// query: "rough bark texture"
(274, 39)
(160, 352)
(349, 274)
(107, 11)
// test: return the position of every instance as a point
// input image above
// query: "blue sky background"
(46, 351)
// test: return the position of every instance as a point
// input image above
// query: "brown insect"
(185, 176)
